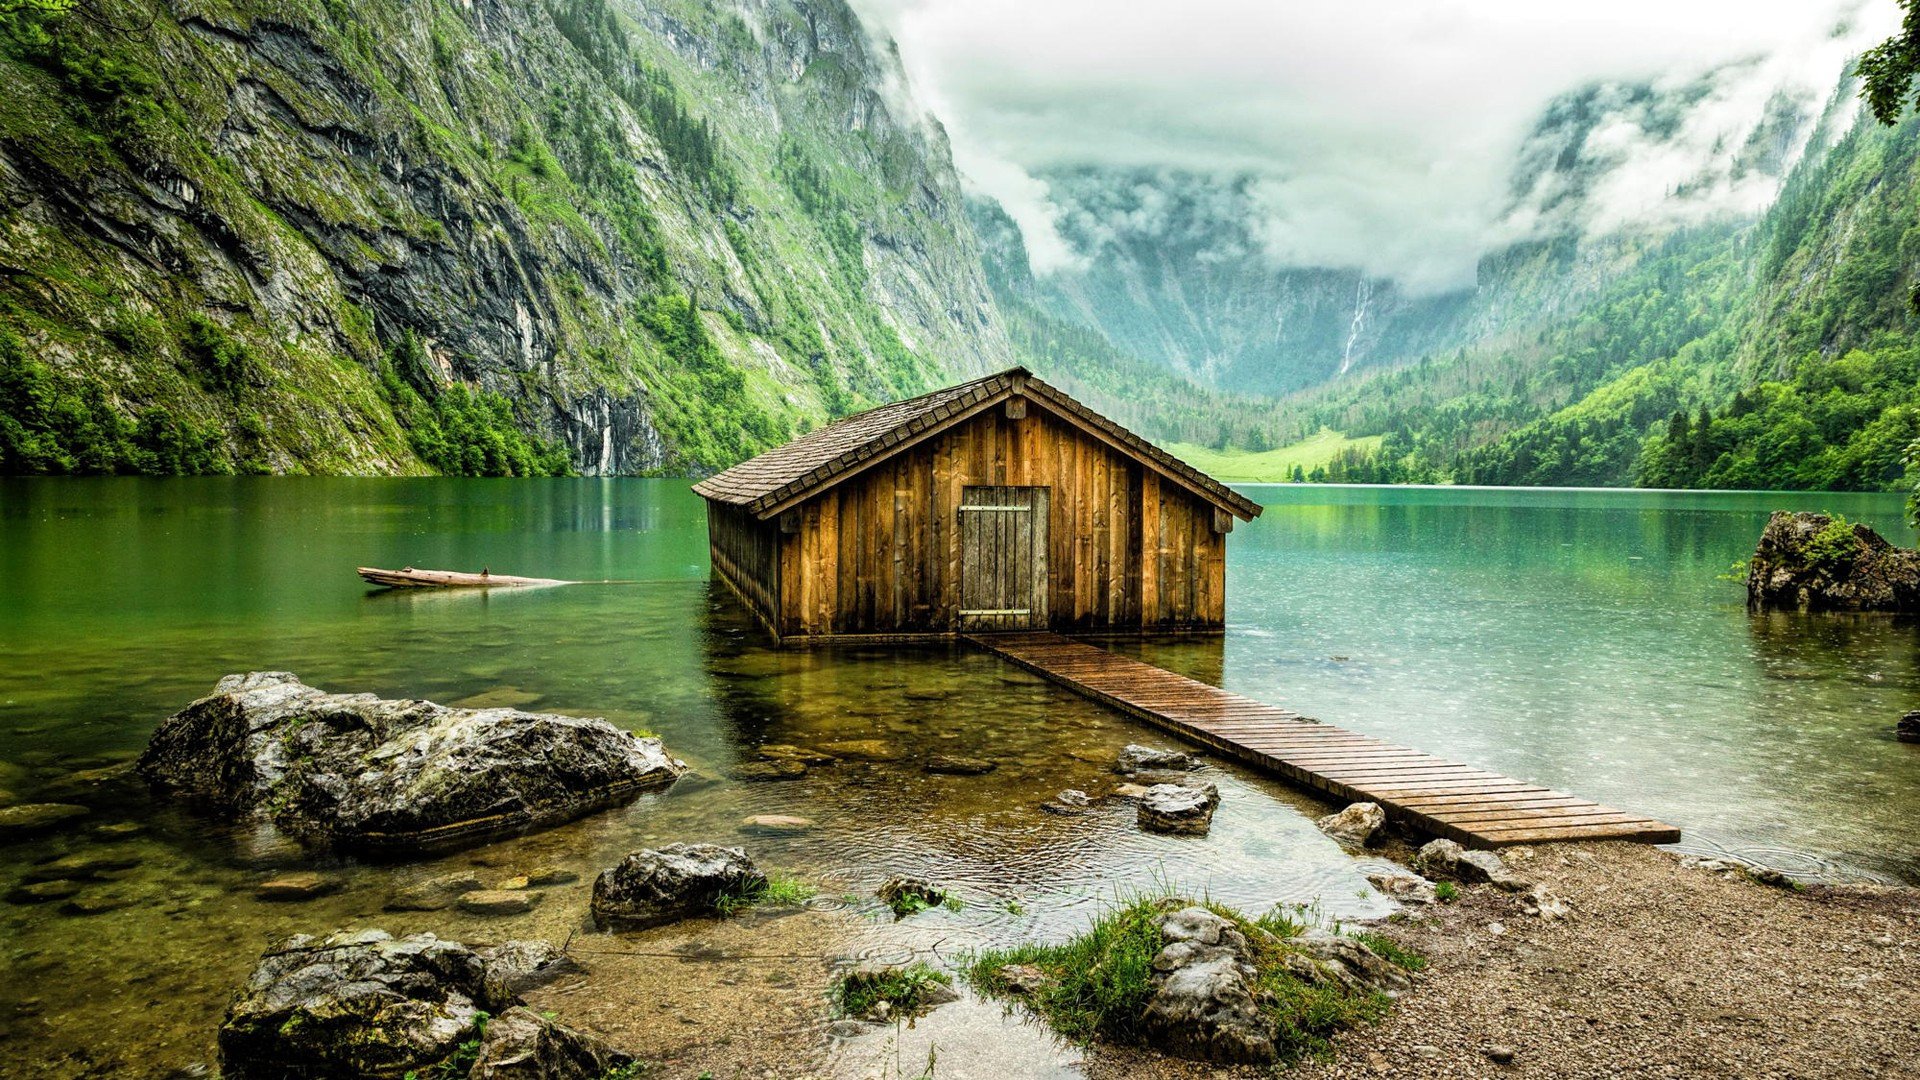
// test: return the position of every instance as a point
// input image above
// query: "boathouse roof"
(786, 475)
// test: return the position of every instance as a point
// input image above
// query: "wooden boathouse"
(1000, 504)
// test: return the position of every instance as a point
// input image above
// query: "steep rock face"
(664, 234)
(1812, 562)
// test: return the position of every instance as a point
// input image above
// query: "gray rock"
(1320, 957)
(1136, 758)
(1445, 860)
(541, 877)
(1180, 809)
(1024, 980)
(26, 819)
(651, 888)
(775, 824)
(1499, 1055)
(512, 968)
(435, 893)
(357, 771)
(1068, 803)
(520, 1044)
(1356, 826)
(1908, 729)
(957, 765)
(1796, 566)
(1205, 1001)
(1406, 888)
(356, 1004)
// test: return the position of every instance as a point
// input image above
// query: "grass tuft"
(1099, 983)
(776, 891)
(903, 989)
(1390, 950)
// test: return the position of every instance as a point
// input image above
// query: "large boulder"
(361, 772)
(1135, 758)
(1813, 562)
(366, 1004)
(652, 888)
(1205, 1001)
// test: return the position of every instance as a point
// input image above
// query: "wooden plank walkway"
(1432, 795)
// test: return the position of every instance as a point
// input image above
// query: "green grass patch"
(1276, 465)
(903, 989)
(1099, 983)
(1390, 950)
(1446, 892)
(776, 891)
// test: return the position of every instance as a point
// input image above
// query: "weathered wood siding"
(746, 554)
(880, 553)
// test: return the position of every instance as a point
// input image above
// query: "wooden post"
(1222, 521)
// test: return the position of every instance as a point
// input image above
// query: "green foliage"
(1098, 983)
(50, 425)
(464, 432)
(1888, 70)
(710, 415)
(223, 364)
(904, 990)
(1390, 950)
(1833, 547)
(1446, 892)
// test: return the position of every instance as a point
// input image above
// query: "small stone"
(1500, 1055)
(775, 824)
(906, 895)
(1496, 928)
(1129, 791)
(864, 750)
(301, 886)
(1069, 802)
(654, 887)
(498, 902)
(29, 818)
(1023, 979)
(957, 765)
(1544, 905)
(543, 876)
(513, 884)
(1427, 1050)
(1356, 826)
(1179, 809)
(120, 828)
(435, 893)
(40, 892)
(781, 769)
(802, 754)
(1445, 860)
(1136, 758)
(1406, 888)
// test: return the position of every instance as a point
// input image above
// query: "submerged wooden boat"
(409, 578)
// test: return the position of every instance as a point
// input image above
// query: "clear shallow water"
(1576, 638)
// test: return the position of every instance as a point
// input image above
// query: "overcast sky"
(1383, 132)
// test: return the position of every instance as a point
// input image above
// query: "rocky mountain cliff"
(465, 235)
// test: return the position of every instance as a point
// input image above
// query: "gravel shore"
(1661, 970)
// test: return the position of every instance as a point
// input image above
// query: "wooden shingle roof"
(773, 481)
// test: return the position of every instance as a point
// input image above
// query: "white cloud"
(1381, 134)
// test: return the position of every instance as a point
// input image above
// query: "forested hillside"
(1773, 354)
(499, 236)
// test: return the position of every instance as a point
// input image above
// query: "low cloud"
(1383, 135)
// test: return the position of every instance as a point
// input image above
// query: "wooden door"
(1003, 558)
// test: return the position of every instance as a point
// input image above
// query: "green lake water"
(1580, 639)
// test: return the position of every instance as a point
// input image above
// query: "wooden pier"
(1432, 795)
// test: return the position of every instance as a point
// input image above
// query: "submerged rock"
(1068, 803)
(1180, 809)
(958, 765)
(498, 901)
(302, 886)
(651, 888)
(1908, 729)
(365, 1004)
(357, 771)
(1810, 562)
(777, 769)
(435, 893)
(776, 824)
(1356, 826)
(1136, 758)
(906, 895)
(26, 819)
(1445, 860)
